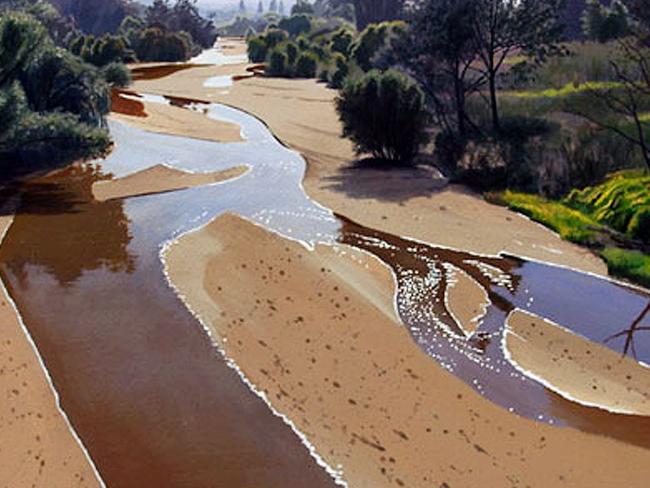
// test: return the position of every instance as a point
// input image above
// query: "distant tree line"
(165, 32)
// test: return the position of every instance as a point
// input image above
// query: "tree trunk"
(460, 108)
(494, 104)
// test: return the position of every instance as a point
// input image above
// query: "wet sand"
(159, 179)
(467, 301)
(333, 358)
(38, 449)
(575, 367)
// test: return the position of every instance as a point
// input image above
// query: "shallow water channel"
(151, 399)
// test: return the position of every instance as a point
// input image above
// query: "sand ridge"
(159, 179)
(351, 378)
(575, 367)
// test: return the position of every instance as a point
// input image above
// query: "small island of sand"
(159, 179)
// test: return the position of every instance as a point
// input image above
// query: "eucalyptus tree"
(438, 50)
(502, 28)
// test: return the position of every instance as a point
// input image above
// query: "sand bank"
(410, 202)
(158, 117)
(467, 301)
(331, 355)
(159, 179)
(575, 367)
(38, 449)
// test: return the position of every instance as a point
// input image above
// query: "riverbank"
(410, 202)
(38, 447)
(316, 332)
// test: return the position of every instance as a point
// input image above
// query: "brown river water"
(154, 402)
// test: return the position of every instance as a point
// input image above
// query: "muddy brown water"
(153, 402)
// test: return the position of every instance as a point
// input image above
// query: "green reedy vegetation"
(620, 204)
(632, 265)
(569, 223)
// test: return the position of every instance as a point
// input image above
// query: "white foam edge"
(547, 384)
(48, 378)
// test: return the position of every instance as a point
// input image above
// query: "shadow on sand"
(372, 179)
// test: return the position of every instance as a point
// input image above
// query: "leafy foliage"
(603, 24)
(622, 202)
(52, 103)
(384, 115)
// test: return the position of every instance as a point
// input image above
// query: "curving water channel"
(151, 398)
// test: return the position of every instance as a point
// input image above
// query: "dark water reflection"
(153, 401)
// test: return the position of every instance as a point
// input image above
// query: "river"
(154, 401)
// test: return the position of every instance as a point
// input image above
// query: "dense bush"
(341, 41)
(52, 104)
(296, 24)
(278, 63)
(257, 49)
(384, 115)
(103, 50)
(306, 66)
(117, 75)
(155, 44)
(374, 40)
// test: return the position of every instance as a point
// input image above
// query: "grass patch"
(632, 265)
(621, 203)
(571, 224)
(565, 91)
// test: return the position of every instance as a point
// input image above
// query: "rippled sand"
(575, 367)
(315, 331)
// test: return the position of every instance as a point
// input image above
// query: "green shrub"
(257, 49)
(306, 66)
(633, 265)
(155, 44)
(278, 64)
(273, 37)
(639, 226)
(341, 41)
(384, 115)
(52, 104)
(375, 39)
(340, 73)
(296, 24)
(292, 53)
(117, 75)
